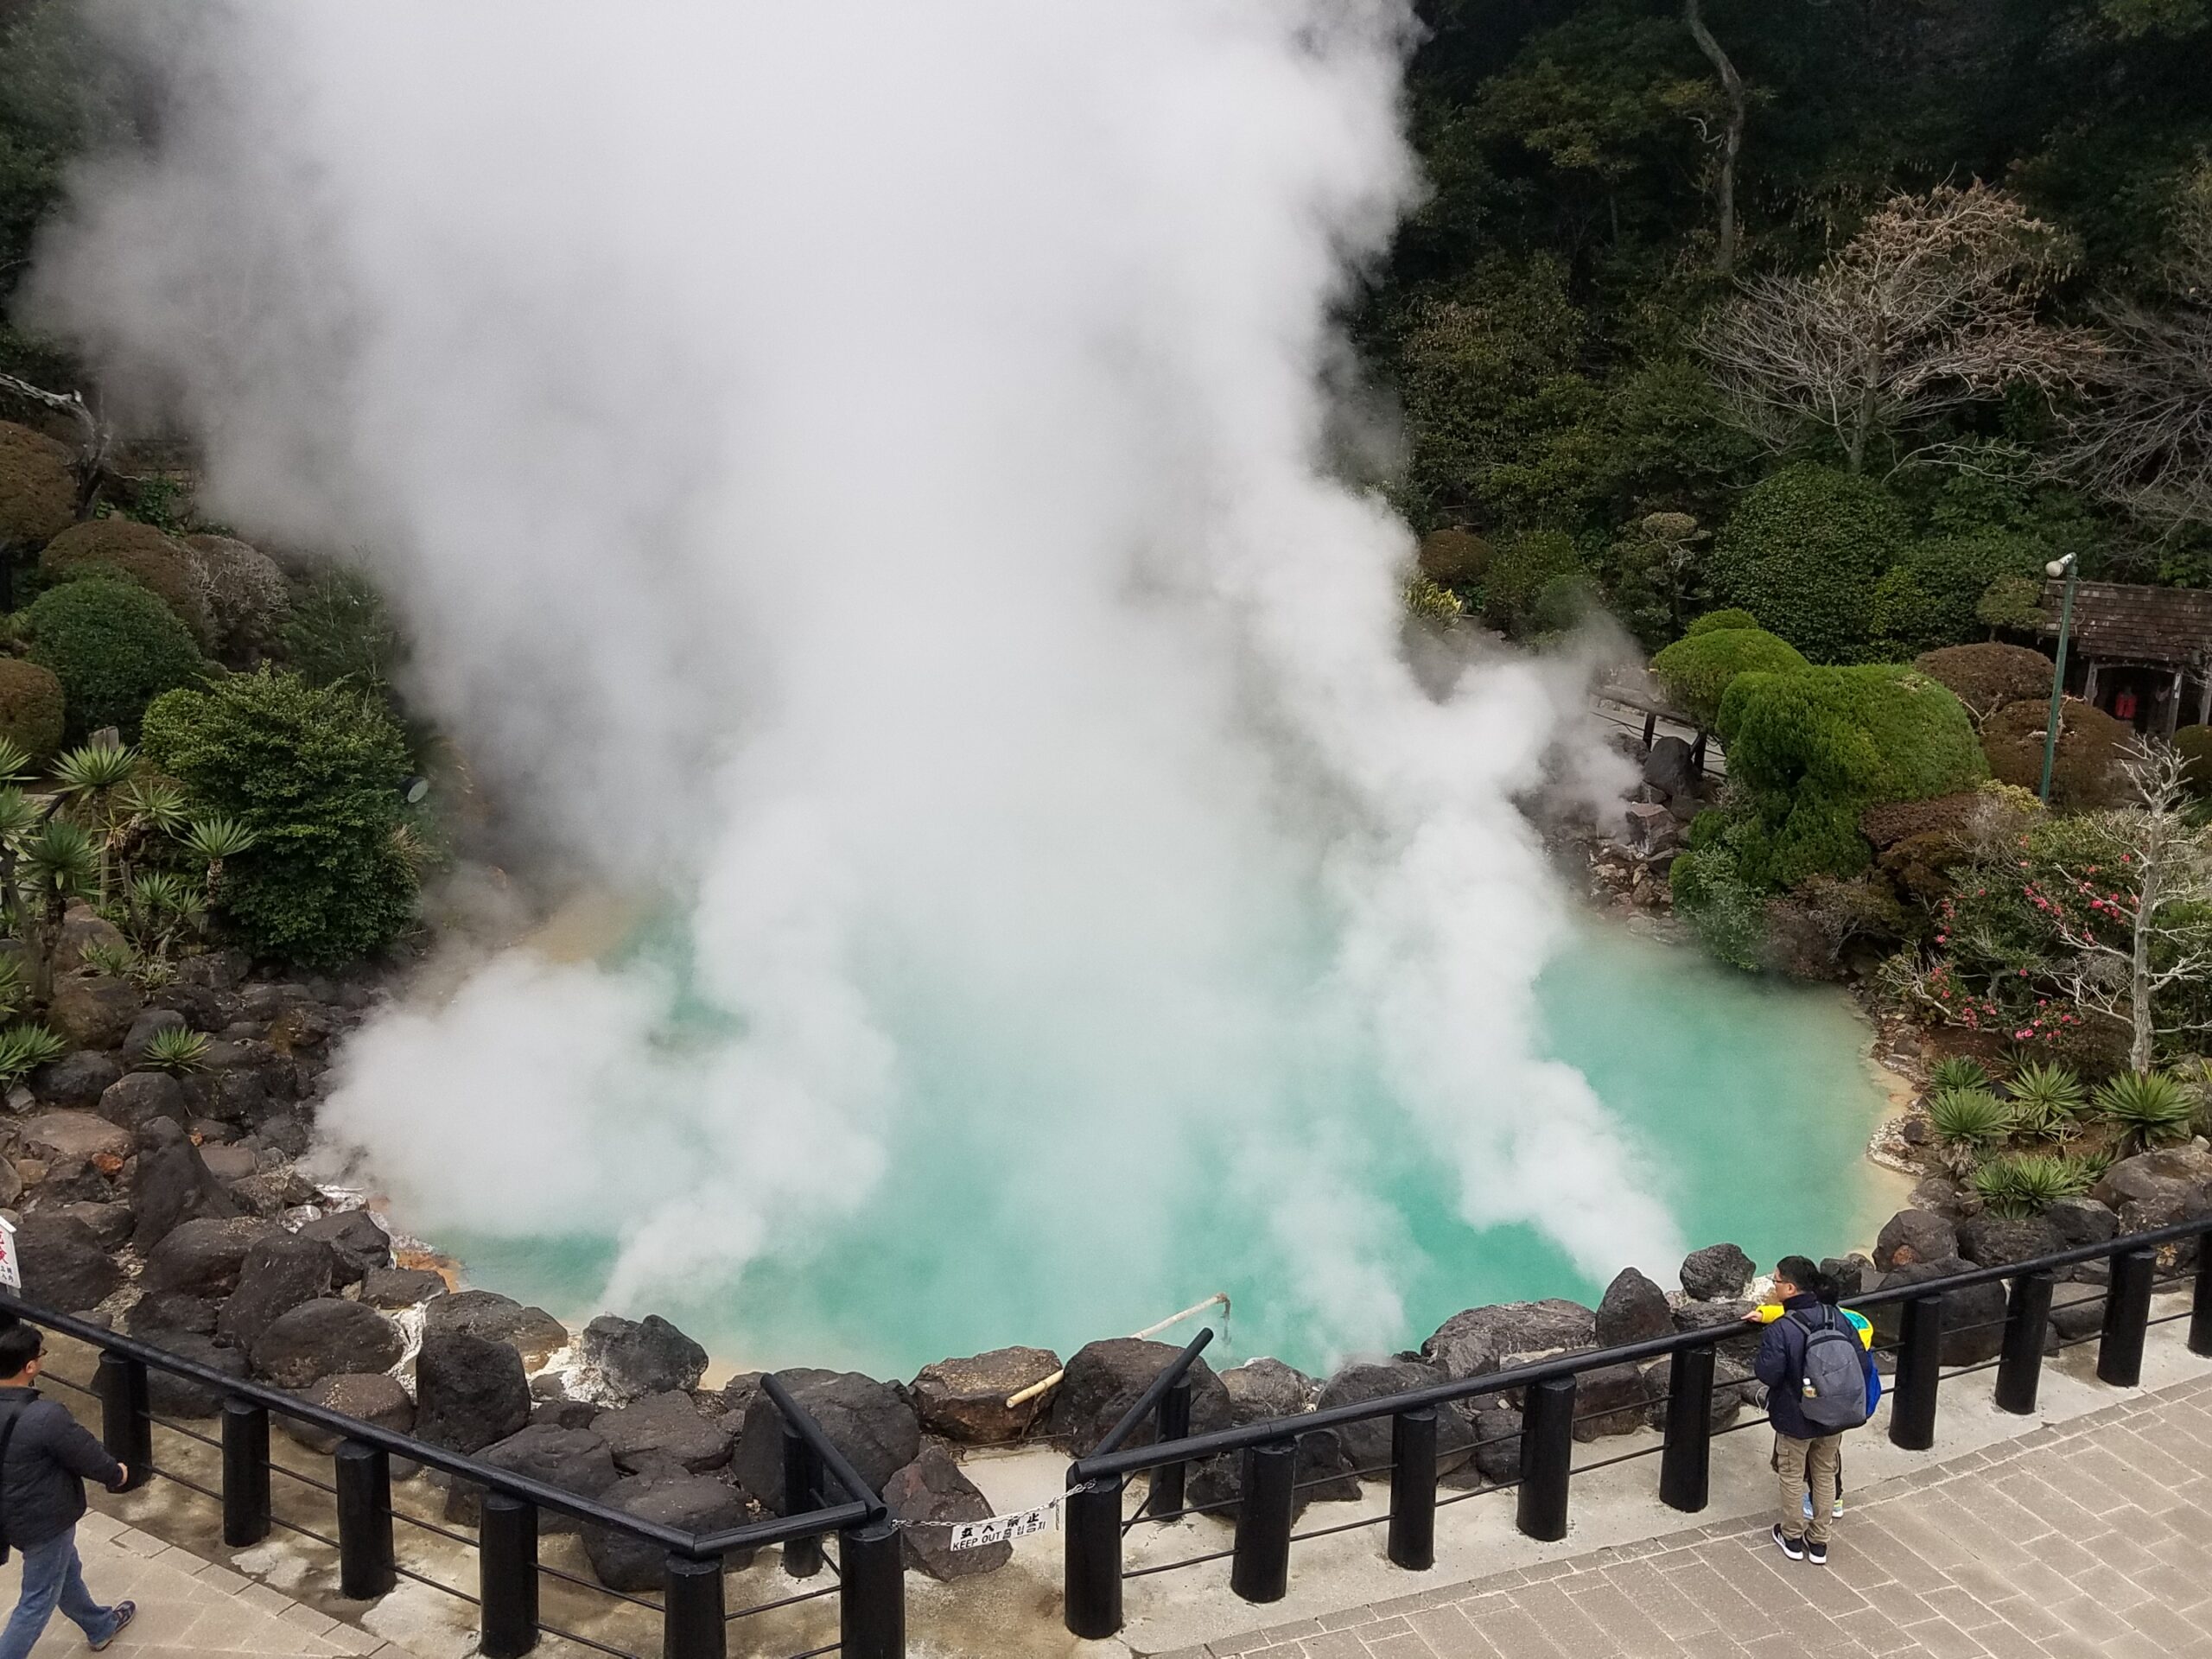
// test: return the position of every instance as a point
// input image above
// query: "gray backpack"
(1834, 1387)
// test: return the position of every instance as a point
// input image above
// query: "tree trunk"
(1731, 143)
(2144, 1016)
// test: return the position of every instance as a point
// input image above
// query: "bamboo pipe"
(1053, 1382)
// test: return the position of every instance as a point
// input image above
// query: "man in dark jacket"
(46, 1455)
(1804, 1455)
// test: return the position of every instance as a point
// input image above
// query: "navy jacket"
(1781, 1366)
(49, 1460)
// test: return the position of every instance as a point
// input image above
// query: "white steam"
(861, 466)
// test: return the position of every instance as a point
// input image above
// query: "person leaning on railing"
(1819, 1383)
(46, 1457)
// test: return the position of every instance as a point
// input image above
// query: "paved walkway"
(2092, 1537)
(187, 1608)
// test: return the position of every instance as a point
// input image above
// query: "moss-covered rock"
(2086, 772)
(38, 486)
(31, 707)
(248, 601)
(138, 553)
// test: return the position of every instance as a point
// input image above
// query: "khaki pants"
(1794, 1461)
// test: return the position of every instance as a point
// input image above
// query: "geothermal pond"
(1748, 1105)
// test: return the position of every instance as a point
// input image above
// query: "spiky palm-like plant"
(14, 761)
(211, 840)
(2151, 1106)
(55, 862)
(25, 1046)
(1967, 1121)
(2046, 1098)
(2028, 1185)
(89, 777)
(177, 1050)
(1959, 1071)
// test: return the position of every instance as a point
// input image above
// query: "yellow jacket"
(1768, 1312)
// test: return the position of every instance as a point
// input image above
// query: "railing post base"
(1920, 1370)
(2127, 1317)
(1173, 1420)
(871, 1593)
(507, 1564)
(2200, 1317)
(1686, 1462)
(802, 1479)
(126, 1417)
(365, 1558)
(246, 1473)
(2020, 1367)
(691, 1623)
(1547, 1456)
(1260, 1569)
(1091, 1561)
(1412, 1543)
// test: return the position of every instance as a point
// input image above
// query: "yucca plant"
(176, 1049)
(14, 761)
(2151, 1106)
(151, 974)
(89, 776)
(211, 841)
(2027, 1184)
(109, 961)
(158, 905)
(157, 803)
(25, 1046)
(1966, 1120)
(13, 990)
(2046, 1098)
(1959, 1071)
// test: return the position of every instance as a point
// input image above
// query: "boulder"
(1733, 1388)
(170, 1395)
(1484, 1339)
(1941, 1198)
(932, 1492)
(138, 1042)
(280, 1273)
(741, 1390)
(1104, 1380)
(171, 1183)
(691, 1503)
(1974, 1315)
(1368, 1444)
(108, 1223)
(229, 1163)
(323, 1338)
(1717, 1273)
(469, 1390)
(1610, 1400)
(531, 1332)
(1497, 1443)
(83, 930)
(373, 1397)
(270, 1195)
(357, 1242)
(77, 1079)
(1914, 1236)
(565, 1413)
(1850, 1275)
(159, 1311)
(1651, 828)
(92, 1011)
(1989, 1241)
(401, 1287)
(1742, 1345)
(63, 1266)
(574, 1459)
(2077, 1312)
(1633, 1309)
(202, 1257)
(663, 1430)
(1262, 1388)
(865, 1420)
(1668, 767)
(1322, 1474)
(67, 1133)
(624, 1360)
(965, 1400)
(2151, 1176)
(2081, 1221)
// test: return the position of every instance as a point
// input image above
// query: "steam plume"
(862, 468)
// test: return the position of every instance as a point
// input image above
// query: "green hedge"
(1802, 553)
(1520, 570)
(114, 646)
(1809, 752)
(1712, 621)
(1931, 596)
(315, 772)
(1698, 670)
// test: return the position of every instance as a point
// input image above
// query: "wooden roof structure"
(2123, 622)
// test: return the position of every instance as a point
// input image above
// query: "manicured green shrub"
(31, 709)
(2085, 772)
(114, 647)
(1519, 571)
(315, 772)
(2012, 605)
(38, 488)
(1727, 618)
(1929, 597)
(1810, 751)
(1802, 553)
(1986, 677)
(1562, 603)
(1455, 558)
(138, 553)
(1697, 671)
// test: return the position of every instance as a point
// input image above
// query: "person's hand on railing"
(122, 1480)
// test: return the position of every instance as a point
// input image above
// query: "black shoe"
(1793, 1548)
(125, 1613)
(1816, 1553)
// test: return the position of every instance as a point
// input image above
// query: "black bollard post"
(2200, 1317)
(506, 1576)
(1920, 1372)
(691, 1624)
(802, 1481)
(1412, 1543)
(126, 1420)
(364, 1557)
(1173, 1417)
(1091, 1561)
(2020, 1367)
(1259, 1570)
(2127, 1316)
(871, 1593)
(246, 1473)
(1686, 1464)
(1547, 1458)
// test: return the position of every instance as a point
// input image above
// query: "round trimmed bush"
(2086, 772)
(2195, 743)
(114, 647)
(38, 486)
(1713, 621)
(248, 599)
(1803, 552)
(1986, 677)
(1457, 558)
(1520, 570)
(31, 709)
(138, 553)
(1698, 670)
(315, 772)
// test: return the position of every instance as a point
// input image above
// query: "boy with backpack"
(1819, 1384)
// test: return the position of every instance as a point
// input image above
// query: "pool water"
(1748, 1104)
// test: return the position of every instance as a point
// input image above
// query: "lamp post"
(2067, 567)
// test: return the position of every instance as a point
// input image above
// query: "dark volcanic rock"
(574, 1459)
(626, 1359)
(371, 1396)
(932, 1490)
(63, 1266)
(1851, 1276)
(358, 1245)
(202, 1257)
(400, 1286)
(322, 1338)
(688, 1502)
(1915, 1236)
(1989, 1241)
(663, 1429)
(1742, 1342)
(1262, 1388)
(1104, 1380)
(469, 1390)
(140, 1097)
(1485, 1340)
(1368, 1444)
(965, 1400)
(531, 1332)
(1633, 1309)
(108, 1223)
(173, 1311)
(1717, 1273)
(865, 1420)
(170, 1395)
(75, 1080)
(1974, 1315)
(2081, 1221)
(1497, 1443)
(171, 1183)
(1322, 1474)
(281, 1272)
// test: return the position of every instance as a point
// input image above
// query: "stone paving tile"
(2087, 1540)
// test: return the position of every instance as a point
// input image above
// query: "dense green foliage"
(1519, 572)
(1804, 554)
(114, 647)
(315, 772)
(31, 715)
(1698, 670)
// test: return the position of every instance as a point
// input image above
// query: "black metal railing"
(870, 1587)
(1266, 1502)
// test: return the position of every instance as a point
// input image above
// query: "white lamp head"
(2058, 568)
